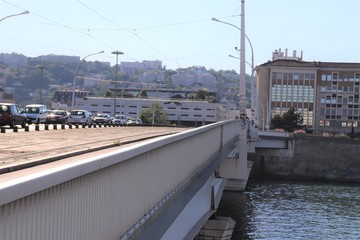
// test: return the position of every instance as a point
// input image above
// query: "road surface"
(19, 150)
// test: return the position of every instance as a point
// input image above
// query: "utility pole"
(117, 53)
(42, 68)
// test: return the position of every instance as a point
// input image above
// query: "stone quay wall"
(310, 158)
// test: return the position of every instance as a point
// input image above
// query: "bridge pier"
(220, 228)
(236, 170)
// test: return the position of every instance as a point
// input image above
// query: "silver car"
(80, 116)
(119, 119)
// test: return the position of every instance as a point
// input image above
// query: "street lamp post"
(75, 75)
(117, 53)
(13, 15)
(252, 60)
(241, 165)
(265, 114)
(42, 68)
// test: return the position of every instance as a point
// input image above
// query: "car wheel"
(23, 124)
(37, 121)
(12, 123)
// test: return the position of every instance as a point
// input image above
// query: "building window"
(335, 76)
(327, 123)
(357, 76)
(323, 77)
(343, 124)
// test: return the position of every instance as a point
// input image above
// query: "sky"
(181, 33)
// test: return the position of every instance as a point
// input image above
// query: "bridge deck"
(19, 150)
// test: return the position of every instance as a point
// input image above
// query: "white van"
(35, 113)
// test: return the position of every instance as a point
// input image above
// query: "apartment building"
(325, 93)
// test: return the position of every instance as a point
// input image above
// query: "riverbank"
(313, 158)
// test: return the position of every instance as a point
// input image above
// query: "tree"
(289, 121)
(276, 122)
(154, 115)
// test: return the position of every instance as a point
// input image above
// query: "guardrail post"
(27, 128)
(3, 130)
(70, 126)
(76, 125)
(62, 126)
(37, 127)
(83, 125)
(55, 126)
(15, 129)
(46, 127)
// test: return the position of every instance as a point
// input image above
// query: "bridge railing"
(102, 197)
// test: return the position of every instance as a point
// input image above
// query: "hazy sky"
(181, 33)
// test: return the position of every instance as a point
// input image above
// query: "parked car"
(119, 119)
(102, 118)
(11, 114)
(134, 122)
(57, 116)
(36, 113)
(80, 116)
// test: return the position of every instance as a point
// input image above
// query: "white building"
(179, 111)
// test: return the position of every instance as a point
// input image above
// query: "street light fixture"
(13, 15)
(252, 50)
(75, 75)
(117, 53)
(252, 61)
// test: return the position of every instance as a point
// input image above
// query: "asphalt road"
(22, 149)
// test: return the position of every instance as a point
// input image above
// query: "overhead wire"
(132, 31)
(60, 24)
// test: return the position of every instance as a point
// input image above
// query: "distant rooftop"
(278, 54)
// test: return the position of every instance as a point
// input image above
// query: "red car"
(11, 114)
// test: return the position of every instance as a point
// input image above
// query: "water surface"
(294, 210)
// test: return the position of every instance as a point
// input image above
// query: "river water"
(294, 210)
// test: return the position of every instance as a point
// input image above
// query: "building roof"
(296, 63)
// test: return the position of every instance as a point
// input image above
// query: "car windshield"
(32, 110)
(101, 115)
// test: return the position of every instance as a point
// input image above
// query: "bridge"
(160, 188)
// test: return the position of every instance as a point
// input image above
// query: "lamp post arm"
(13, 15)
(75, 75)
(252, 50)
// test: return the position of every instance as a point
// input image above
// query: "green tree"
(155, 114)
(276, 122)
(289, 121)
